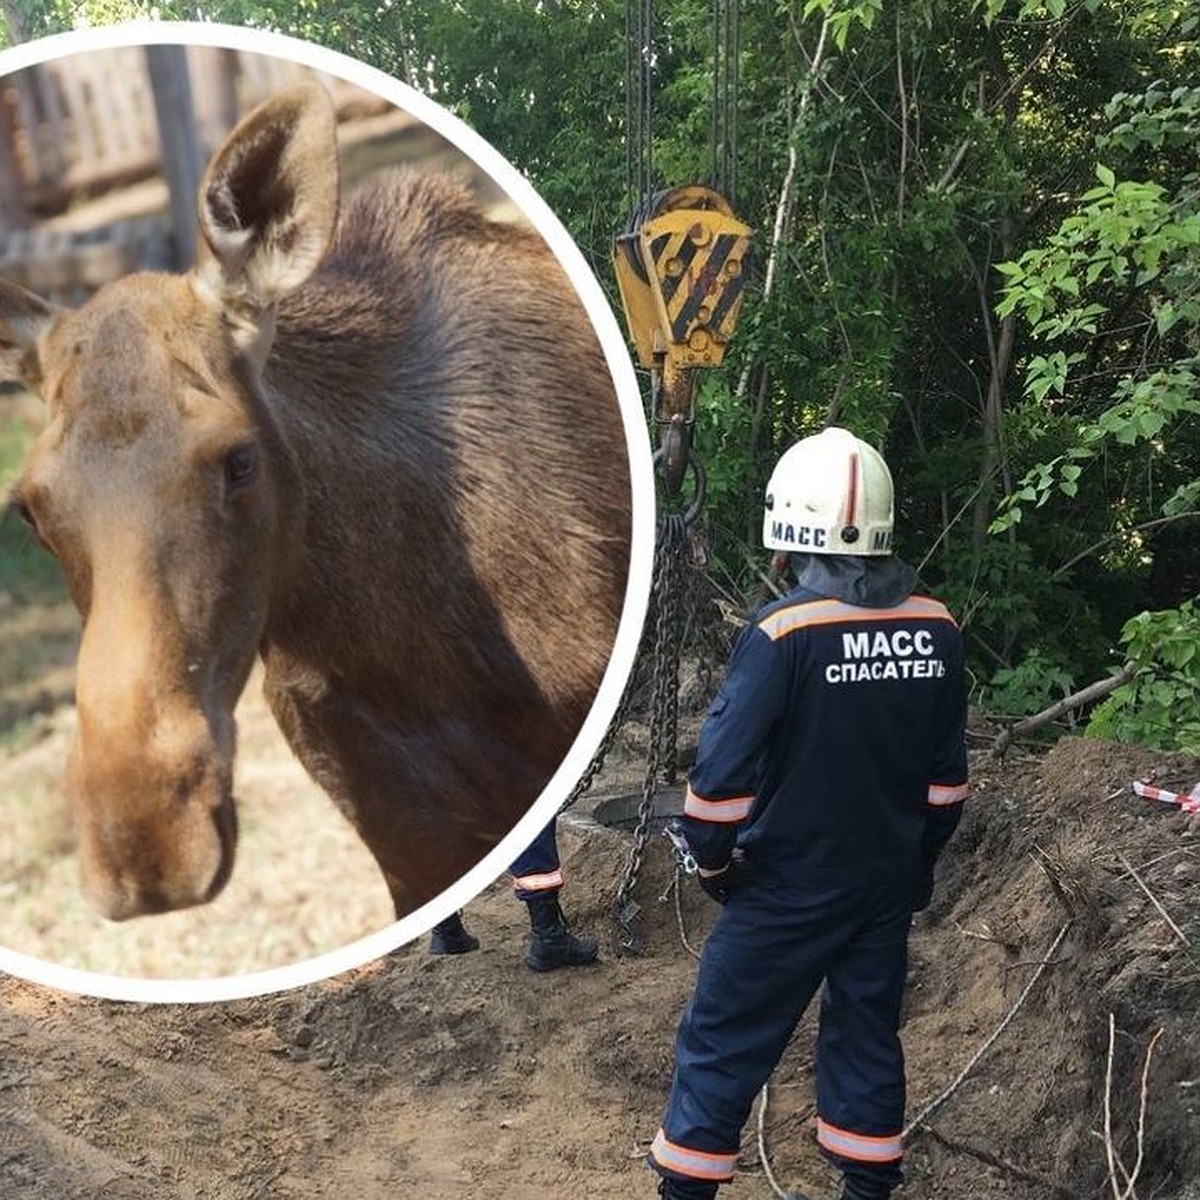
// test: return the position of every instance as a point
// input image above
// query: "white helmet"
(829, 494)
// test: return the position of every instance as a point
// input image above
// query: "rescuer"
(829, 773)
(537, 880)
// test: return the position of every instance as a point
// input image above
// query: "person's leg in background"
(537, 881)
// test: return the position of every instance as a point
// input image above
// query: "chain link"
(584, 784)
(669, 592)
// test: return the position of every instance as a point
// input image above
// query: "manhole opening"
(621, 811)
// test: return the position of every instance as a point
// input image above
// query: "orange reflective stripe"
(696, 1164)
(831, 612)
(941, 794)
(721, 812)
(861, 1147)
(538, 883)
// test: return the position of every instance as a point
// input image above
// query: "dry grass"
(303, 884)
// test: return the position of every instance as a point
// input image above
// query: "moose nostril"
(225, 819)
(190, 780)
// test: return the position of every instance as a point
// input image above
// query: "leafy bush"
(1160, 707)
(1035, 683)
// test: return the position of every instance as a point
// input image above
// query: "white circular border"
(612, 339)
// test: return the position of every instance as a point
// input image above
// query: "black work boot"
(451, 937)
(693, 1189)
(551, 942)
(857, 1188)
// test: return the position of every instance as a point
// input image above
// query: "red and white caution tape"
(1187, 801)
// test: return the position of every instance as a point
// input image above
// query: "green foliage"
(1111, 300)
(842, 17)
(1160, 707)
(1125, 233)
(984, 223)
(1033, 10)
(723, 440)
(26, 570)
(1035, 683)
(1155, 118)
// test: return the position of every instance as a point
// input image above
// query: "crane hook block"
(682, 265)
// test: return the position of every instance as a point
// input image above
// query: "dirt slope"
(473, 1077)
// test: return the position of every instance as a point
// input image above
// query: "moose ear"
(268, 201)
(24, 318)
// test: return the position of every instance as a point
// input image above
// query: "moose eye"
(18, 504)
(22, 510)
(241, 465)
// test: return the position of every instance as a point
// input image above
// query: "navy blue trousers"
(536, 871)
(773, 945)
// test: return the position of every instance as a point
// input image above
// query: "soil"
(472, 1076)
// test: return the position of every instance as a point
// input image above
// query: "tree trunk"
(993, 426)
(18, 28)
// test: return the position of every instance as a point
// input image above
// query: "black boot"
(693, 1189)
(857, 1188)
(451, 937)
(551, 942)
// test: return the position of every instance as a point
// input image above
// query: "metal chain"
(668, 589)
(593, 769)
(723, 116)
(665, 714)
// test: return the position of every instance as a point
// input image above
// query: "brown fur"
(431, 561)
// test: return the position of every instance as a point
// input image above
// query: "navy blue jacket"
(837, 739)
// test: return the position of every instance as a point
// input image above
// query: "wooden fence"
(87, 122)
(85, 126)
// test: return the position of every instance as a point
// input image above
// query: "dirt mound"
(471, 1076)
(1046, 845)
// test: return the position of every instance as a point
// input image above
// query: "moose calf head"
(165, 488)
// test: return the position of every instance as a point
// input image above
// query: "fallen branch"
(1166, 916)
(941, 1099)
(1094, 691)
(1002, 1164)
(1125, 1190)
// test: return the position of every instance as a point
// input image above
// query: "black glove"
(736, 875)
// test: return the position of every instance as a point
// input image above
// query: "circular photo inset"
(325, 546)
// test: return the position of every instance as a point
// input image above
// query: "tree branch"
(986, 107)
(1002, 1164)
(1094, 691)
(783, 206)
(1112, 537)
(1124, 1190)
(1166, 916)
(903, 98)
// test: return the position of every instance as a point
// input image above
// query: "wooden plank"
(213, 72)
(182, 161)
(13, 214)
